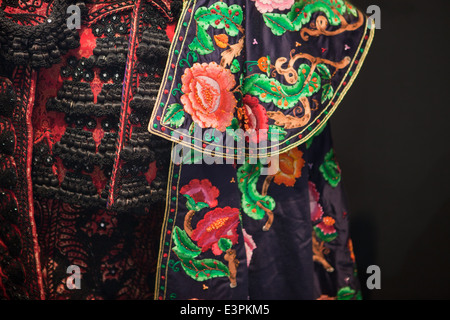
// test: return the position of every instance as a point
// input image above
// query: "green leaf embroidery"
(310, 140)
(202, 42)
(347, 293)
(184, 247)
(311, 86)
(199, 270)
(324, 71)
(351, 9)
(297, 17)
(196, 206)
(192, 156)
(330, 169)
(205, 269)
(327, 92)
(174, 115)
(235, 67)
(219, 16)
(301, 13)
(192, 128)
(270, 90)
(251, 199)
(327, 89)
(231, 129)
(278, 23)
(224, 244)
(276, 133)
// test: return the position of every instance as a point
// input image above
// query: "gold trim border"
(163, 235)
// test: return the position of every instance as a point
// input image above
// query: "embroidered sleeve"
(265, 72)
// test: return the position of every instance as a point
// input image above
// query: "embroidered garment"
(275, 70)
(84, 183)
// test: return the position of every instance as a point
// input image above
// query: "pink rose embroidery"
(264, 6)
(314, 206)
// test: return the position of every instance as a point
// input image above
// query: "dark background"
(391, 137)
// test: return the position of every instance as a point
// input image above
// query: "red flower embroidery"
(216, 224)
(207, 96)
(201, 191)
(255, 118)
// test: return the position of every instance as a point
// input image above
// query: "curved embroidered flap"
(274, 70)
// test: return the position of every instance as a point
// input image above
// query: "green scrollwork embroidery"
(191, 55)
(173, 265)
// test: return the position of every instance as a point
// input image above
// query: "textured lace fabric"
(80, 131)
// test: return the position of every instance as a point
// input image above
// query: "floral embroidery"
(299, 85)
(263, 64)
(254, 204)
(330, 169)
(299, 88)
(201, 191)
(207, 96)
(217, 224)
(217, 230)
(325, 229)
(187, 251)
(347, 293)
(319, 252)
(250, 245)
(304, 83)
(254, 117)
(218, 16)
(310, 140)
(291, 164)
(314, 207)
(199, 194)
(264, 6)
